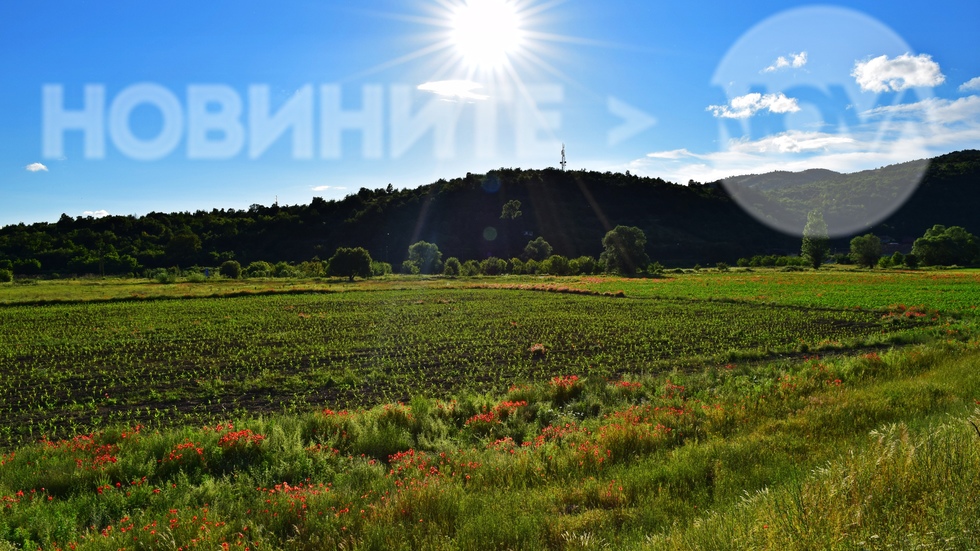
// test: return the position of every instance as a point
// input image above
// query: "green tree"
(452, 266)
(426, 256)
(866, 250)
(184, 247)
(556, 265)
(6, 276)
(350, 262)
(259, 268)
(493, 266)
(537, 249)
(583, 265)
(942, 246)
(511, 210)
(816, 243)
(624, 250)
(230, 269)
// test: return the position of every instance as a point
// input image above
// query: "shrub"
(556, 265)
(6, 276)
(722, 267)
(493, 266)
(284, 269)
(409, 267)
(230, 269)
(164, 277)
(583, 265)
(259, 268)
(196, 277)
(470, 268)
(379, 268)
(451, 267)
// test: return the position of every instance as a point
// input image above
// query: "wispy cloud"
(883, 74)
(36, 167)
(96, 213)
(794, 61)
(325, 188)
(970, 85)
(743, 107)
(455, 89)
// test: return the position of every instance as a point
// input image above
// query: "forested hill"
(684, 224)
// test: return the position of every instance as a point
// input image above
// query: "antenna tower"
(563, 162)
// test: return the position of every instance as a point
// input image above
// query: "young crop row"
(69, 367)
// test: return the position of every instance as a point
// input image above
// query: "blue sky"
(218, 104)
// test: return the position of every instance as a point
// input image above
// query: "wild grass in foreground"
(871, 451)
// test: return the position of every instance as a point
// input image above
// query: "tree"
(350, 262)
(866, 250)
(556, 265)
(816, 243)
(452, 266)
(493, 266)
(426, 256)
(184, 247)
(942, 246)
(624, 250)
(231, 269)
(537, 249)
(511, 210)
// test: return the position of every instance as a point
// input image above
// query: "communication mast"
(563, 162)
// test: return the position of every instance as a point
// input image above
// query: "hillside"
(698, 223)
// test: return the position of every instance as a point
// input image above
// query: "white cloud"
(970, 85)
(673, 154)
(458, 89)
(794, 60)
(743, 107)
(96, 213)
(882, 74)
(325, 188)
(793, 142)
(933, 111)
(36, 167)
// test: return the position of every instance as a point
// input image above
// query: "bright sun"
(486, 32)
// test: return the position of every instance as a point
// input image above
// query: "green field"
(703, 410)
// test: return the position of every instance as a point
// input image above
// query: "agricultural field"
(706, 410)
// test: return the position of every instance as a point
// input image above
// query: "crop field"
(705, 410)
(70, 367)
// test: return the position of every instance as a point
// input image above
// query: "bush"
(470, 268)
(409, 267)
(6, 276)
(722, 267)
(583, 265)
(379, 268)
(451, 266)
(284, 269)
(196, 277)
(556, 265)
(230, 269)
(259, 268)
(165, 277)
(351, 262)
(493, 266)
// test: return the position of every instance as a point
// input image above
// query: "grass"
(860, 446)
